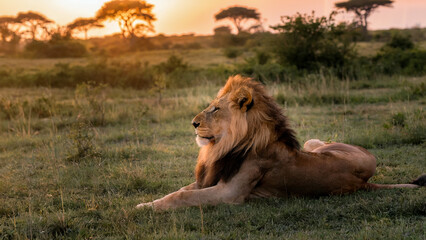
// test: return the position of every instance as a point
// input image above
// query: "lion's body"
(332, 169)
(249, 151)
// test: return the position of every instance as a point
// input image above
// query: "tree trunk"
(365, 23)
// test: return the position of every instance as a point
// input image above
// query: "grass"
(143, 150)
(204, 57)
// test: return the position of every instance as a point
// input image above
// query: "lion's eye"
(214, 109)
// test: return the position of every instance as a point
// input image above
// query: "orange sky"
(196, 16)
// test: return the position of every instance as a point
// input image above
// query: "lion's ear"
(243, 97)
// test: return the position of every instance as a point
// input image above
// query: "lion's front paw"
(157, 205)
(145, 205)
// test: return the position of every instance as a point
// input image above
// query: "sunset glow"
(194, 16)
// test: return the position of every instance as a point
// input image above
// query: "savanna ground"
(75, 162)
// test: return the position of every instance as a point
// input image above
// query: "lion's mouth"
(203, 140)
(209, 138)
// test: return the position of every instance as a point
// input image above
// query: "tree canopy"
(7, 33)
(36, 23)
(84, 25)
(133, 17)
(363, 9)
(238, 15)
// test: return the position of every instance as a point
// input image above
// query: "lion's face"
(213, 122)
(225, 117)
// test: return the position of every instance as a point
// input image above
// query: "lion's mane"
(250, 131)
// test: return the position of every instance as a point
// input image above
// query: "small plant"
(262, 57)
(82, 142)
(159, 86)
(20, 113)
(232, 53)
(8, 108)
(91, 99)
(42, 107)
(172, 64)
(398, 119)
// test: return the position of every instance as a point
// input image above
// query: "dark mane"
(228, 165)
(282, 128)
(222, 169)
(285, 134)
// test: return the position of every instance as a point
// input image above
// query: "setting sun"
(194, 16)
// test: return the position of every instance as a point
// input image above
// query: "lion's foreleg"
(234, 191)
(209, 196)
(191, 186)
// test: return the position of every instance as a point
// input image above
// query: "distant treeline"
(303, 45)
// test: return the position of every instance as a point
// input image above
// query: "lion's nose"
(195, 124)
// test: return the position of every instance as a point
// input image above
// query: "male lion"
(249, 151)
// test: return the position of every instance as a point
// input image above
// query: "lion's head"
(242, 118)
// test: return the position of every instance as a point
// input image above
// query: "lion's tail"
(419, 182)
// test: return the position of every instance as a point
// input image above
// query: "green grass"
(145, 149)
(204, 57)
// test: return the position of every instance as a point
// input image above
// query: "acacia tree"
(9, 34)
(133, 17)
(363, 9)
(84, 25)
(9, 28)
(238, 15)
(36, 23)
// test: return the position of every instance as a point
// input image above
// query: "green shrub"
(90, 98)
(399, 56)
(232, 52)
(257, 68)
(41, 107)
(310, 43)
(398, 119)
(392, 61)
(55, 49)
(82, 144)
(224, 38)
(401, 42)
(174, 63)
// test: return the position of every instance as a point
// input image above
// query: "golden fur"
(248, 151)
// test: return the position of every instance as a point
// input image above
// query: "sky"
(196, 16)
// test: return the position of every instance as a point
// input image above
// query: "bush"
(224, 38)
(310, 43)
(82, 142)
(90, 98)
(232, 52)
(41, 107)
(398, 119)
(262, 67)
(55, 49)
(174, 63)
(399, 56)
(401, 42)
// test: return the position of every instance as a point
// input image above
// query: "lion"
(248, 150)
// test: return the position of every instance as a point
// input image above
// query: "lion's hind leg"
(419, 182)
(312, 144)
